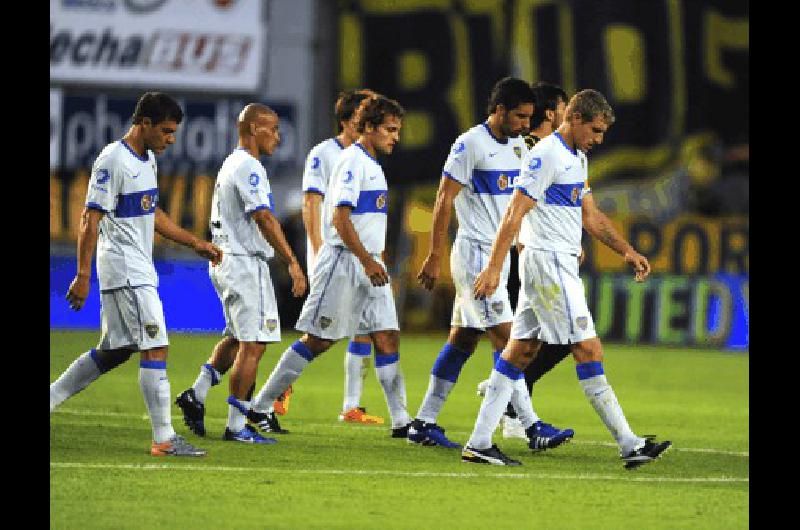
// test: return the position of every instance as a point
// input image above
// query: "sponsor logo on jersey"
(324, 322)
(535, 163)
(502, 181)
(582, 322)
(151, 329)
(380, 202)
(147, 202)
(102, 176)
(518, 151)
(254, 179)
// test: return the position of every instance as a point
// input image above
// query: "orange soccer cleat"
(281, 405)
(359, 415)
(175, 446)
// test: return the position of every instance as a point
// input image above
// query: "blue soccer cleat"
(247, 435)
(543, 436)
(429, 434)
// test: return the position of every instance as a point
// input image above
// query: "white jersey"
(123, 185)
(319, 165)
(357, 180)
(242, 188)
(486, 168)
(556, 178)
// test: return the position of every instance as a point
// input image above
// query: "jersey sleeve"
(346, 184)
(536, 175)
(312, 173)
(461, 161)
(253, 187)
(105, 182)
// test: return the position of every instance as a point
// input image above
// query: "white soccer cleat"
(512, 428)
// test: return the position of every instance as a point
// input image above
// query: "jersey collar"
(574, 152)
(366, 152)
(496, 139)
(338, 142)
(134, 153)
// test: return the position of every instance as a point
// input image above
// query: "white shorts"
(342, 301)
(132, 317)
(552, 302)
(244, 287)
(467, 260)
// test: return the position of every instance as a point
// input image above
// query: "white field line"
(144, 417)
(387, 472)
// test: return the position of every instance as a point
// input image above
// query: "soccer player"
(120, 216)
(319, 163)
(243, 225)
(477, 178)
(552, 202)
(349, 278)
(550, 103)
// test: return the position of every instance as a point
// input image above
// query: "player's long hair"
(158, 107)
(374, 109)
(347, 103)
(511, 93)
(590, 103)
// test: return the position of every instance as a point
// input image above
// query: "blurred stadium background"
(673, 172)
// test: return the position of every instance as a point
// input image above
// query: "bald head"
(253, 113)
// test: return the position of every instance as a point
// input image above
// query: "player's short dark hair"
(347, 103)
(158, 107)
(547, 96)
(374, 109)
(590, 103)
(511, 93)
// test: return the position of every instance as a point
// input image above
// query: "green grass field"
(326, 474)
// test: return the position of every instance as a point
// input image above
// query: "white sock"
(236, 418)
(436, 395)
(80, 373)
(155, 389)
(521, 401)
(286, 372)
(208, 377)
(501, 386)
(354, 373)
(602, 397)
(387, 367)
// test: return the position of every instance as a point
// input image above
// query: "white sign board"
(55, 127)
(208, 45)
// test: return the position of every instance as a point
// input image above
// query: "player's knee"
(386, 341)
(110, 359)
(465, 339)
(251, 350)
(587, 351)
(316, 345)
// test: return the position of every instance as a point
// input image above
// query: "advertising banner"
(55, 127)
(208, 45)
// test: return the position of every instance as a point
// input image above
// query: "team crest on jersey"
(498, 307)
(151, 329)
(271, 324)
(576, 191)
(254, 179)
(324, 322)
(518, 151)
(535, 163)
(502, 181)
(147, 202)
(380, 202)
(582, 322)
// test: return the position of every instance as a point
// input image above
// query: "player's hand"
(486, 283)
(581, 257)
(429, 272)
(376, 273)
(640, 265)
(299, 283)
(78, 292)
(209, 251)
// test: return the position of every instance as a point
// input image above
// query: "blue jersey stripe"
(137, 204)
(490, 181)
(372, 201)
(561, 194)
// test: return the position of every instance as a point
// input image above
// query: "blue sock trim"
(590, 369)
(383, 360)
(213, 372)
(496, 355)
(93, 355)
(154, 365)
(238, 404)
(449, 363)
(303, 351)
(359, 348)
(508, 369)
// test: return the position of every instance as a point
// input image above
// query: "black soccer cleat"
(193, 411)
(647, 453)
(401, 432)
(265, 422)
(492, 455)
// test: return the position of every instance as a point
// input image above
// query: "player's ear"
(550, 115)
(147, 121)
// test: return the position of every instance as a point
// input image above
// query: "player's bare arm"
(442, 210)
(271, 229)
(87, 241)
(489, 278)
(312, 219)
(599, 225)
(374, 270)
(169, 229)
